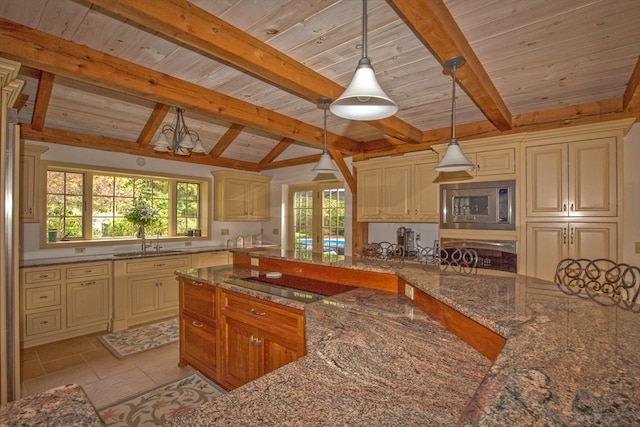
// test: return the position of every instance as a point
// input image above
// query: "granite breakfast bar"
(373, 358)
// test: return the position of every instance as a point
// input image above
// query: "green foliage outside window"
(110, 196)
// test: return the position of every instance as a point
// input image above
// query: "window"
(91, 204)
(317, 219)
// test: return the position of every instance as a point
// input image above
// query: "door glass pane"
(303, 223)
(333, 222)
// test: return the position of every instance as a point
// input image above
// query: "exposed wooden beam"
(344, 169)
(572, 115)
(433, 24)
(276, 151)
(305, 160)
(195, 27)
(229, 136)
(43, 95)
(40, 50)
(153, 123)
(95, 142)
(631, 97)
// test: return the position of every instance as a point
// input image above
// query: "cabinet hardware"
(44, 297)
(564, 207)
(258, 313)
(194, 283)
(44, 276)
(44, 322)
(571, 235)
(88, 283)
(572, 209)
(88, 271)
(197, 324)
(159, 265)
(477, 167)
(30, 210)
(564, 235)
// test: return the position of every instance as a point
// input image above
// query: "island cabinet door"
(239, 358)
(276, 351)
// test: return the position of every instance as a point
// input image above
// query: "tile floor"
(105, 379)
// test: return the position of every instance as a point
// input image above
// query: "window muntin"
(65, 203)
(180, 201)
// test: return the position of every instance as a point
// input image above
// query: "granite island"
(373, 358)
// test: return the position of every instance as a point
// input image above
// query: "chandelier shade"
(364, 99)
(182, 139)
(325, 168)
(454, 159)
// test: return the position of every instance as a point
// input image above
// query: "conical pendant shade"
(454, 159)
(325, 164)
(364, 99)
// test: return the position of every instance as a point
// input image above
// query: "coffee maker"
(406, 241)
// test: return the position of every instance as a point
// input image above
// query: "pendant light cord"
(364, 28)
(324, 133)
(453, 106)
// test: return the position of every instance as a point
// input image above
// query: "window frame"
(89, 172)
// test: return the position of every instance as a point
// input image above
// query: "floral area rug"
(142, 338)
(163, 404)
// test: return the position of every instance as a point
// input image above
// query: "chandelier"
(182, 139)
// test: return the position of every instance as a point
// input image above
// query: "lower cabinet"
(234, 338)
(198, 327)
(64, 301)
(550, 242)
(257, 337)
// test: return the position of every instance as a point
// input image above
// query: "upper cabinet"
(29, 181)
(241, 197)
(398, 189)
(572, 179)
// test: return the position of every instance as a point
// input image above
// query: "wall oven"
(500, 255)
(478, 205)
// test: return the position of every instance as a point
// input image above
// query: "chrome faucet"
(158, 242)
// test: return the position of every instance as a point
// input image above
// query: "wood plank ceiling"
(105, 73)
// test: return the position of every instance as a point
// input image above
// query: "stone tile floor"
(105, 379)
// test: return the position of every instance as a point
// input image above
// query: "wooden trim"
(483, 339)
(43, 95)
(346, 276)
(229, 136)
(153, 123)
(631, 97)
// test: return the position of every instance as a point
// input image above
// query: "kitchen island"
(373, 358)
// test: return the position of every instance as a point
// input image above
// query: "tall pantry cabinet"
(572, 187)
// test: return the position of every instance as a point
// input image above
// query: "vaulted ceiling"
(104, 74)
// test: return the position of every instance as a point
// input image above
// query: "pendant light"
(454, 160)
(364, 99)
(325, 168)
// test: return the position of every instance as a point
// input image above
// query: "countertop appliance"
(489, 205)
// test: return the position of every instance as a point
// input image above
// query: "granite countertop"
(375, 359)
(61, 406)
(124, 255)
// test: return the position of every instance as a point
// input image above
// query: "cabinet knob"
(197, 324)
(258, 313)
(572, 209)
(564, 207)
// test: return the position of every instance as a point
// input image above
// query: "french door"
(316, 226)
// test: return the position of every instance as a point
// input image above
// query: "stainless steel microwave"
(487, 205)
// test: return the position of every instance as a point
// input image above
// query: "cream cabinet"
(492, 163)
(398, 190)
(63, 301)
(30, 182)
(550, 242)
(210, 259)
(570, 202)
(146, 289)
(241, 197)
(575, 179)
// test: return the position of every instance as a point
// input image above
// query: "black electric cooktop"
(293, 287)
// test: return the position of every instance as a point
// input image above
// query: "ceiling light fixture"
(181, 138)
(325, 168)
(454, 159)
(364, 99)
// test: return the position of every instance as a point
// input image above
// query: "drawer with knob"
(40, 323)
(42, 296)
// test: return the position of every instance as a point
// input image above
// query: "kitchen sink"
(150, 252)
